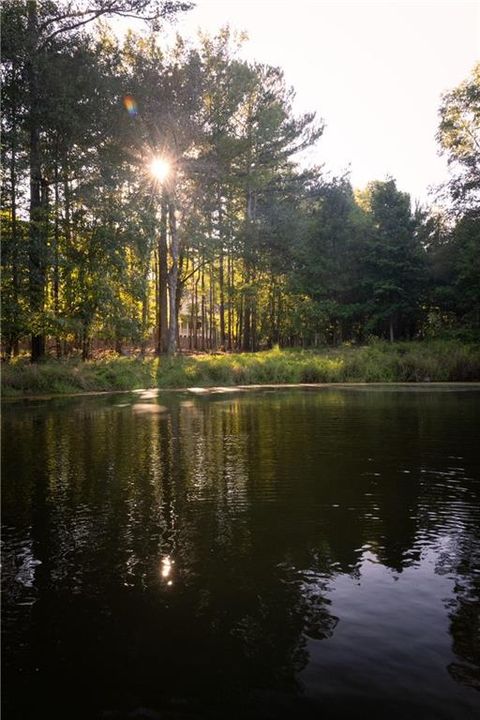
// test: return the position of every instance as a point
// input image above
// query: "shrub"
(435, 360)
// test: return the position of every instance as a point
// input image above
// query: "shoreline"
(224, 389)
(429, 363)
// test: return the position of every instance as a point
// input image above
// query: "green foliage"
(264, 253)
(393, 270)
(454, 254)
(459, 137)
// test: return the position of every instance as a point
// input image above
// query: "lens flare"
(130, 105)
(159, 169)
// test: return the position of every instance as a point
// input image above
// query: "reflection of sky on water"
(26, 566)
(396, 634)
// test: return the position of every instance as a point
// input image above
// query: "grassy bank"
(435, 361)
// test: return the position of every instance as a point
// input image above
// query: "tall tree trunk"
(157, 298)
(221, 307)
(86, 340)
(143, 341)
(240, 322)
(278, 326)
(13, 194)
(192, 324)
(195, 344)
(254, 325)
(246, 342)
(162, 345)
(204, 314)
(179, 293)
(173, 279)
(230, 298)
(37, 244)
(271, 329)
(251, 203)
(67, 203)
(221, 299)
(56, 269)
(211, 310)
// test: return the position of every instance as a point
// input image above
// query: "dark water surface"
(311, 554)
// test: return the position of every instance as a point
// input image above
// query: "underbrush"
(428, 361)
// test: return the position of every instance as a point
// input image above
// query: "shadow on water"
(262, 555)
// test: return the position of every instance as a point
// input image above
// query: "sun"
(159, 169)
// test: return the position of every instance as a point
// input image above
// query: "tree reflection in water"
(193, 561)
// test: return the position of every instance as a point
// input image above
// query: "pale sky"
(374, 71)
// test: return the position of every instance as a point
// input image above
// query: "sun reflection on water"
(166, 569)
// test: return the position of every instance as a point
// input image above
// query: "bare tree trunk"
(13, 349)
(220, 275)
(249, 275)
(67, 203)
(191, 330)
(157, 299)
(254, 325)
(143, 342)
(195, 300)
(178, 295)
(85, 340)
(162, 344)
(211, 310)
(230, 298)
(277, 336)
(37, 242)
(204, 314)
(271, 329)
(246, 342)
(221, 301)
(240, 323)
(56, 270)
(173, 279)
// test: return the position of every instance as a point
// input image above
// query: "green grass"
(435, 361)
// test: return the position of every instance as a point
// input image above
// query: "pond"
(273, 554)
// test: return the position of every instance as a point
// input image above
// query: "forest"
(156, 199)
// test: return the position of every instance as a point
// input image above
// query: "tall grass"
(432, 361)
